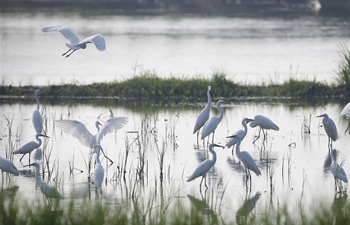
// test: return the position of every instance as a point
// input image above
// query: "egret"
(205, 166)
(338, 171)
(247, 160)
(239, 133)
(48, 190)
(30, 146)
(78, 129)
(346, 112)
(37, 119)
(329, 127)
(211, 125)
(75, 42)
(264, 123)
(99, 172)
(7, 167)
(203, 116)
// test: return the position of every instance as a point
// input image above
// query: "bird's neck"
(209, 99)
(245, 128)
(238, 147)
(221, 113)
(98, 157)
(37, 102)
(214, 155)
(37, 176)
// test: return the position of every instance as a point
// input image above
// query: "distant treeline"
(173, 6)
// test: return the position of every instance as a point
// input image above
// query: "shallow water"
(300, 173)
(252, 50)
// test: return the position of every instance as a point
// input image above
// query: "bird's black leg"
(66, 52)
(212, 140)
(257, 136)
(205, 182)
(70, 53)
(107, 157)
(22, 158)
(200, 185)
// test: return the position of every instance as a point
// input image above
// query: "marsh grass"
(343, 71)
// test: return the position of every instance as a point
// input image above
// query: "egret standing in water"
(99, 172)
(37, 119)
(211, 125)
(240, 134)
(329, 127)
(247, 161)
(338, 171)
(205, 166)
(346, 112)
(75, 42)
(7, 167)
(203, 116)
(48, 190)
(30, 146)
(264, 123)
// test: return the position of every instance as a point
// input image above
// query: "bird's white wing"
(77, 130)
(110, 125)
(97, 39)
(65, 31)
(7, 166)
(346, 111)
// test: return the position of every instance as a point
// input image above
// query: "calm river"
(249, 49)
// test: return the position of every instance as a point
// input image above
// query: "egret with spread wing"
(75, 42)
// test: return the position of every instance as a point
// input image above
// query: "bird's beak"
(43, 135)
(320, 115)
(248, 121)
(29, 165)
(231, 136)
(217, 145)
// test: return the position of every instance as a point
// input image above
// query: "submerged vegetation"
(14, 211)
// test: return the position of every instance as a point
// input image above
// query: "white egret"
(48, 190)
(205, 166)
(75, 42)
(78, 129)
(37, 119)
(338, 171)
(246, 159)
(264, 123)
(99, 172)
(203, 116)
(7, 167)
(30, 146)
(329, 127)
(346, 111)
(211, 125)
(240, 134)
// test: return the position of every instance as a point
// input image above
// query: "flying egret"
(203, 116)
(48, 190)
(78, 129)
(211, 125)
(338, 171)
(329, 127)
(99, 172)
(7, 167)
(205, 166)
(239, 133)
(30, 146)
(75, 42)
(247, 160)
(37, 119)
(264, 123)
(346, 112)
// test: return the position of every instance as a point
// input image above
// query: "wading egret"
(48, 190)
(205, 166)
(329, 127)
(7, 167)
(239, 133)
(264, 123)
(247, 160)
(338, 171)
(99, 172)
(75, 42)
(30, 146)
(211, 125)
(346, 112)
(37, 119)
(203, 116)
(78, 129)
